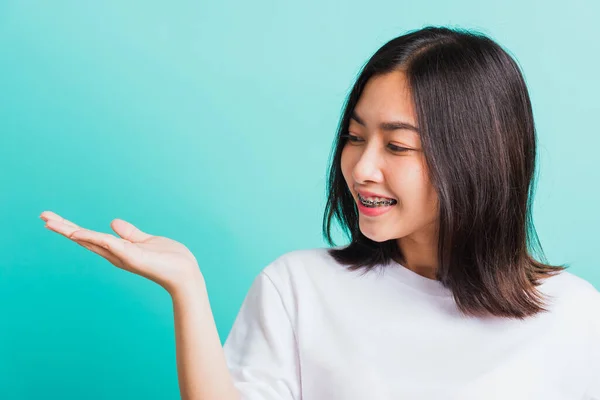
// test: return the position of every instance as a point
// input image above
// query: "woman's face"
(370, 163)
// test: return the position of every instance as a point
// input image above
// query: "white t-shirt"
(310, 329)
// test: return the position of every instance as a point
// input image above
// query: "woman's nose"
(368, 167)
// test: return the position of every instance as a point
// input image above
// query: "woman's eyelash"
(354, 139)
(350, 137)
(398, 149)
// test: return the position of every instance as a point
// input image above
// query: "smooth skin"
(202, 370)
(391, 162)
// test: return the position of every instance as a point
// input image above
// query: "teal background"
(211, 123)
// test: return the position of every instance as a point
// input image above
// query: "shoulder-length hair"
(478, 137)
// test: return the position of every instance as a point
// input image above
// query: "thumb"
(128, 231)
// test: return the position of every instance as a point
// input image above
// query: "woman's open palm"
(160, 259)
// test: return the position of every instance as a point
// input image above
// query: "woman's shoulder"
(302, 271)
(568, 284)
(573, 297)
(299, 262)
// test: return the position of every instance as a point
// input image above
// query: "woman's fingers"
(105, 241)
(109, 243)
(49, 215)
(102, 252)
(67, 229)
(61, 227)
(124, 229)
(129, 232)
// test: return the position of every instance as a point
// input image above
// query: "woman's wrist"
(191, 286)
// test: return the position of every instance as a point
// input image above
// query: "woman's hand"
(162, 260)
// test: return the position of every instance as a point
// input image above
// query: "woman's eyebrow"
(386, 126)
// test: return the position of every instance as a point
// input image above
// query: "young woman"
(437, 295)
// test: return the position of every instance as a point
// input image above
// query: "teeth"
(376, 198)
(376, 201)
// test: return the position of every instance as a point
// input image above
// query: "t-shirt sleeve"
(261, 350)
(593, 392)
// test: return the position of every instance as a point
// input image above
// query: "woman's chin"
(375, 235)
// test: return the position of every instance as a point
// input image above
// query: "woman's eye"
(351, 138)
(356, 139)
(398, 149)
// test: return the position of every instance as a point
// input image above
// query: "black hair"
(479, 141)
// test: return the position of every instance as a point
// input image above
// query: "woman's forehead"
(385, 98)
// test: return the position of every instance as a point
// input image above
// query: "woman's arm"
(202, 370)
(201, 363)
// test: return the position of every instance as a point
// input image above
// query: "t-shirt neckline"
(416, 281)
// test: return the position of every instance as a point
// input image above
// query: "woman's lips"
(364, 193)
(372, 211)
